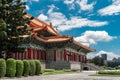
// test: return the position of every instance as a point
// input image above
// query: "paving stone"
(71, 76)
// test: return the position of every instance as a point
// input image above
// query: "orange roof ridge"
(49, 27)
(53, 28)
(43, 39)
(54, 37)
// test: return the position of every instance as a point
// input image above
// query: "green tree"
(13, 27)
(98, 61)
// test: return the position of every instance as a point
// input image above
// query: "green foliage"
(49, 70)
(117, 67)
(89, 61)
(32, 67)
(2, 25)
(3, 35)
(52, 71)
(67, 70)
(0, 3)
(110, 72)
(98, 61)
(2, 67)
(113, 64)
(19, 68)
(10, 67)
(108, 68)
(26, 68)
(38, 67)
(11, 17)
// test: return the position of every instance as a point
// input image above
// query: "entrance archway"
(85, 68)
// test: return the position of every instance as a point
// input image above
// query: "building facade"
(55, 51)
(104, 56)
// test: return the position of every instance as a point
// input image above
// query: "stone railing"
(91, 66)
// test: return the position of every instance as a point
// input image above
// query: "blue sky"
(95, 23)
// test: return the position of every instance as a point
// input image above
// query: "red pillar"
(74, 57)
(25, 54)
(19, 55)
(13, 55)
(65, 52)
(85, 59)
(30, 53)
(38, 54)
(34, 53)
(41, 54)
(45, 55)
(54, 55)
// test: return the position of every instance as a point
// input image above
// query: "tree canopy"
(98, 61)
(13, 27)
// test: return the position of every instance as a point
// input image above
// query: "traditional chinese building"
(52, 49)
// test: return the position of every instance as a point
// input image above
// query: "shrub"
(32, 67)
(2, 67)
(10, 67)
(19, 68)
(0, 4)
(38, 67)
(117, 67)
(26, 68)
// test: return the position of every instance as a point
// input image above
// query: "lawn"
(107, 73)
(52, 71)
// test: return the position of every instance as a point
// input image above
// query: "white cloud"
(78, 22)
(92, 37)
(57, 18)
(42, 17)
(29, 0)
(51, 8)
(113, 9)
(110, 55)
(91, 55)
(84, 4)
(35, 0)
(70, 3)
(24, 0)
(27, 7)
(62, 23)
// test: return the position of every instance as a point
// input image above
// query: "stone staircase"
(91, 66)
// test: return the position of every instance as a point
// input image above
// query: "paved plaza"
(72, 76)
